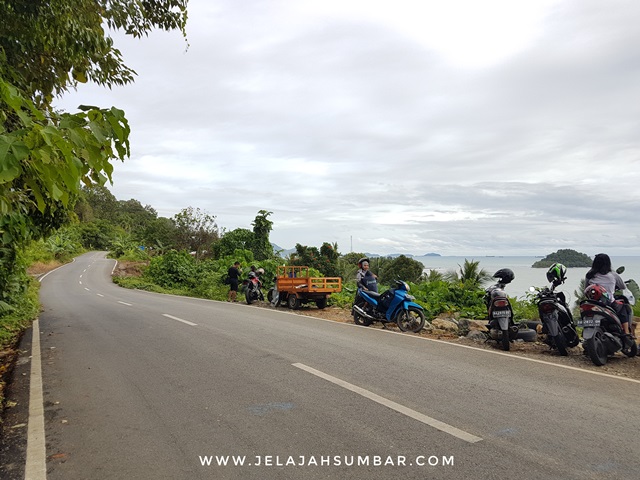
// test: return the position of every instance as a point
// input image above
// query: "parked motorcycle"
(602, 330)
(501, 325)
(393, 306)
(555, 314)
(252, 288)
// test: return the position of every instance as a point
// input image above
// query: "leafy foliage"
(240, 238)
(400, 268)
(174, 269)
(324, 260)
(262, 227)
(196, 230)
(568, 257)
(47, 47)
(469, 274)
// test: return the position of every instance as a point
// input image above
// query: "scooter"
(602, 330)
(393, 306)
(557, 321)
(501, 326)
(252, 288)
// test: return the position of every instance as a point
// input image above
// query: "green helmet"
(557, 273)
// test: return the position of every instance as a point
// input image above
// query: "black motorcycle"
(555, 314)
(501, 325)
(252, 287)
(602, 330)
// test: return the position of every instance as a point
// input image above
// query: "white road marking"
(99, 294)
(88, 290)
(36, 465)
(179, 319)
(124, 303)
(432, 422)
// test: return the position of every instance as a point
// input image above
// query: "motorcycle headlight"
(411, 297)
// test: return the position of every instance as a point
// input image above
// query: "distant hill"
(432, 255)
(568, 257)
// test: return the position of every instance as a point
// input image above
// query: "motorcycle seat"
(373, 294)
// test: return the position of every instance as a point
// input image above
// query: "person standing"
(234, 280)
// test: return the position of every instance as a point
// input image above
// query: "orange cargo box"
(294, 279)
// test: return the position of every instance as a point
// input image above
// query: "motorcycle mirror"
(620, 269)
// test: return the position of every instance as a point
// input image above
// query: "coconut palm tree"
(469, 274)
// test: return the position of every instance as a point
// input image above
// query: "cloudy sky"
(501, 127)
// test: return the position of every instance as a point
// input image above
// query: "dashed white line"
(87, 289)
(179, 319)
(443, 427)
(99, 294)
(124, 303)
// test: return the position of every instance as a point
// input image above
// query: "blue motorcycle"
(393, 306)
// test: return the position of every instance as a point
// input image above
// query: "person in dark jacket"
(365, 278)
(234, 280)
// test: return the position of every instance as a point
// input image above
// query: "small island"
(568, 257)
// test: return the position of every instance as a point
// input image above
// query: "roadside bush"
(172, 270)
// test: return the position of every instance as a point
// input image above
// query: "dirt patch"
(129, 269)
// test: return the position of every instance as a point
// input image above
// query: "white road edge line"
(432, 422)
(36, 464)
(179, 319)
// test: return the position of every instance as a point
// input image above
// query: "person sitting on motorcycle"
(365, 278)
(601, 274)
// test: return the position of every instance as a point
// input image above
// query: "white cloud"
(455, 127)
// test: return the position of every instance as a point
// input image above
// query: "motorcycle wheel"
(561, 344)
(360, 320)
(270, 295)
(248, 295)
(596, 350)
(411, 320)
(505, 340)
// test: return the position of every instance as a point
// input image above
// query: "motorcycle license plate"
(501, 313)
(588, 322)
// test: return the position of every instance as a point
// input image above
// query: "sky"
(501, 127)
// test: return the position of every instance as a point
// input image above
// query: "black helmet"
(504, 275)
(557, 273)
(363, 259)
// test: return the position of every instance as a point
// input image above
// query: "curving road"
(146, 386)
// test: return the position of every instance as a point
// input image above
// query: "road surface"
(137, 385)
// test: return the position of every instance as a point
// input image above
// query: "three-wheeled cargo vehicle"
(294, 287)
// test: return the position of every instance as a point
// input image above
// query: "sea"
(525, 275)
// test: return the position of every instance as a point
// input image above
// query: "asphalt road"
(145, 386)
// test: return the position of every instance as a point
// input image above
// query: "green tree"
(159, 234)
(47, 47)
(102, 203)
(400, 268)
(469, 274)
(196, 230)
(262, 227)
(237, 239)
(134, 218)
